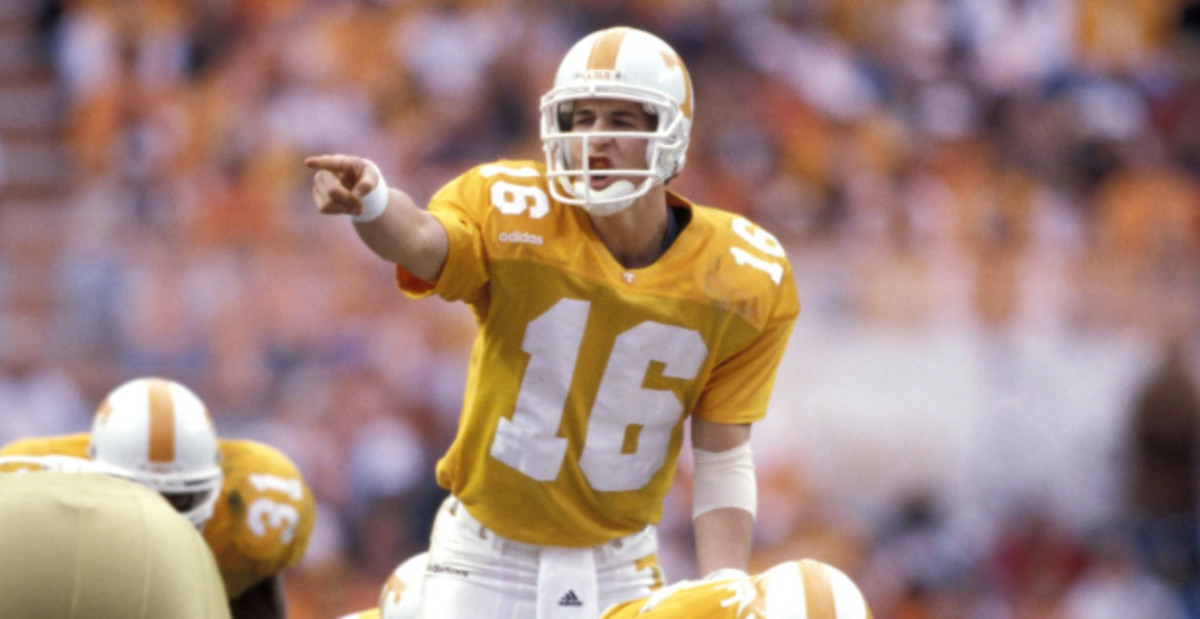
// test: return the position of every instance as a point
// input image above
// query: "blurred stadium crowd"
(992, 208)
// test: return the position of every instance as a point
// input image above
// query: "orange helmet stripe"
(818, 590)
(104, 411)
(162, 421)
(604, 50)
(675, 62)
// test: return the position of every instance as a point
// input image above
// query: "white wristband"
(724, 479)
(376, 200)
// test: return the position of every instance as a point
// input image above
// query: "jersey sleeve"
(739, 389)
(75, 445)
(460, 206)
(712, 599)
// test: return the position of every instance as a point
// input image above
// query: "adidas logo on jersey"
(520, 237)
(570, 599)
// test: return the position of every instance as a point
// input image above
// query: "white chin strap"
(603, 202)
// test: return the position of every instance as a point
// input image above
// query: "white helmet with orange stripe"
(626, 64)
(810, 589)
(157, 432)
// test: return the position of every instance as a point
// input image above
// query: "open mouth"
(595, 164)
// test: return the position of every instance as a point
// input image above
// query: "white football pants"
(475, 574)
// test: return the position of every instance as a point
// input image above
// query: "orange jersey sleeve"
(74, 445)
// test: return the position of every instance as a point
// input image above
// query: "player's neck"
(634, 236)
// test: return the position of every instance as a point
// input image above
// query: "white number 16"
(529, 442)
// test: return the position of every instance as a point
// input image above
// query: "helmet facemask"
(194, 495)
(570, 181)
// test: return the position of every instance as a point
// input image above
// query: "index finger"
(338, 164)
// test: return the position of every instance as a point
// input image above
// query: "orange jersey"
(803, 589)
(583, 372)
(263, 517)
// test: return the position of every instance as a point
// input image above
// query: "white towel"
(567, 586)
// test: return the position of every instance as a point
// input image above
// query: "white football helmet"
(808, 589)
(402, 592)
(617, 63)
(158, 433)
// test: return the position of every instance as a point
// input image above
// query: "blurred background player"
(83, 545)
(247, 499)
(610, 311)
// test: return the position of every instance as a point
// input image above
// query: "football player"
(612, 312)
(248, 499)
(802, 589)
(87, 545)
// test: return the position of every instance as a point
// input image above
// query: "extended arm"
(724, 495)
(403, 233)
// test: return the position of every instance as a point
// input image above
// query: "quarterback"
(613, 316)
(247, 499)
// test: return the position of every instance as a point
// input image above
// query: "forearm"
(392, 225)
(723, 539)
(407, 235)
(724, 495)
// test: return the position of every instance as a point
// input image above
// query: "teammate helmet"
(402, 592)
(157, 432)
(617, 63)
(808, 589)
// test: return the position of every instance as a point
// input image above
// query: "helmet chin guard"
(604, 202)
(619, 64)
